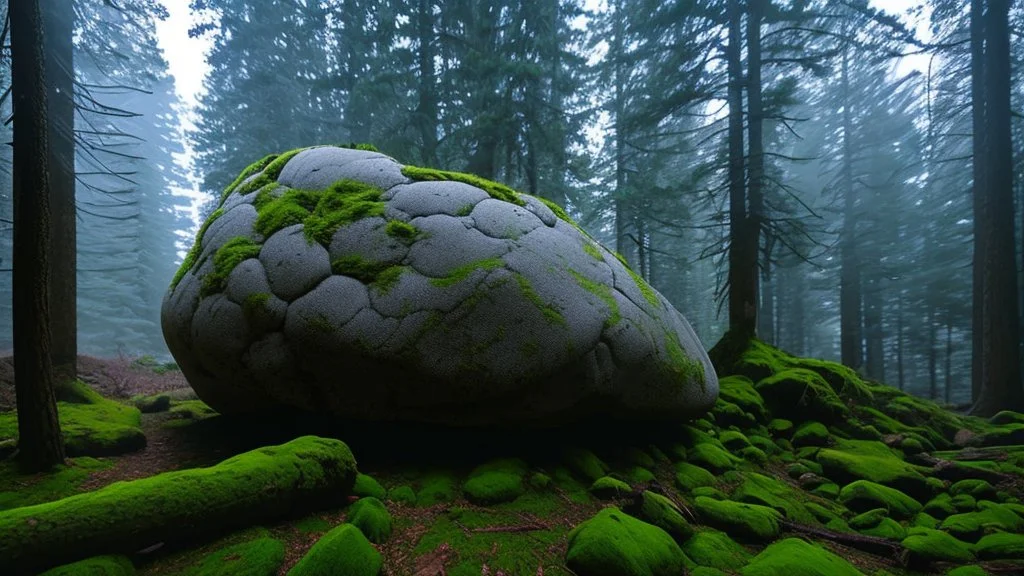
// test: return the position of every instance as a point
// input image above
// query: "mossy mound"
(92, 425)
(613, 543)
(690, 476)
(19, 489)
(1000, 545)
(372, 518)
(101, 566)
(924, 546)
(659, 511)
(437, 487)
(261, 556)
(367, 486)
(608, 488)
(496, 481)
(740, 520)
(971, 526)
(767, 491)
(863, 495)
(152, 404)
(343, 550)
(714, 549)
(796, 557)
(869, 460)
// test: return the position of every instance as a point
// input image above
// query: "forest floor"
(966, 478)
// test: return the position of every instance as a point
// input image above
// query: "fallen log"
(257, 486)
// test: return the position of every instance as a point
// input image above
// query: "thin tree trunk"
(40, 444)
(1001, 389)
(933, 383)
(979, 193)
(947, 387)
(851, 338)
(426, 111)
(874, 332)
(742, 309)
(900, 376)
(622, 208)
(58, 24)
(755, 160)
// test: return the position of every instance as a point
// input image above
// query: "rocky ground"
(802, 468)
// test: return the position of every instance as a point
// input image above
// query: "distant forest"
(769, 166)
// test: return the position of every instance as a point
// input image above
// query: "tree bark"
(947, 372)
(851, 338)
(755, 162)
(40, 444)
(900, 375)
(427, 110)
(623, 212)
(1001, 386)
(58, 29)
(978, 196)
(742, 308)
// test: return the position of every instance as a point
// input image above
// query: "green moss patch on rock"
(715, 549)
(403, 494)
(496, 481)
(1000, 546)
(193, 254)
(797, 557)
(991, 516)
(262, 484)
(91, 424)
(613, 542)
(767, 491)
(609, 488)
(870, 460)
(690, 476)
(366, 486)
(863, 495)
(19, 489)
(152, 404)
(802, 394)
(231, 254)
(437, 487)
(924, 546)
(494, 189)
(810, 434)
(740, 520)
(372, 518)
(740, 391)
(584, 463)
(659, 511)
(713, 457)
(343, 550)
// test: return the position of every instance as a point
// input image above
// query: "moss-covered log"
(123, 517)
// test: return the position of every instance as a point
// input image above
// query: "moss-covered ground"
(803, 468)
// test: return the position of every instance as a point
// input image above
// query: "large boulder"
(337, 280)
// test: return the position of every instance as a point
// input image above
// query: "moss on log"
(256, 486)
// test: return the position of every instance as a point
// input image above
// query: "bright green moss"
(974, 487)
(372, 518)
(367, 486)
(613, 542)
(313, 525)
(690, 476)
(494, 189)
(193, 253)
(684, 367)
(924, 546)
(767, 491)
(659, 511)
(801, 394)
(152, 404)
(343, 550)
(388, 277)
(608, 488)
(462, 272)
(990, 516)
(868, 519)
(780, 427)
(1000, 545)
(972, 570)
(18, 489)
(309, 470)
(649, 294)
(712, 457)
(258, 557)
(604, 293)
(594, 252)
(733, 440)
(97, 566)
(344, 202)
(797, 557)
(870, 460)
(268, 179)
(249, 171)
(403, 231)
(355, 266)
(192, 410)
(227, 257)
(562, 215)
(277, 212)
(738, 519)
(403, 495)
(715, 549)
(887, 528)
(496, 481)
(255, 304)
(465, 210)
(552, 314)
(740, 391)
(584, 463)
(863, 495)
(810, 434)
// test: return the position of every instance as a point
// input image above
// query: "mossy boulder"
(751, 521)
(367, 486)
(496, 481)
(343, 550)
(659, 511)
(863, 495)
(796, 557)
(403, 494)
(802, 394)
(100, 566)
(608, 488)
(584, 463)
(715, 549)
(713, 456)
(613, 543)
(436, 487)
(152, 404)
(870, 460)
(924, 546)
(372, 518)
(1000, 546)
(260, 485)
(739, 390)
(444, 298)
(810, 434)
(767, 491)
(989, 517)
(690, 476)
(979, 489)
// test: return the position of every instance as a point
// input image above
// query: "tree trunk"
(851, 339)
(742, 308)
(1001, 387)
(933, 382)
(755, 159)
(623, 212)
(947, 387)
(40, 444)
(426, 111)
(874, 332)
(900, 377)
(58, 24)
(978, 196)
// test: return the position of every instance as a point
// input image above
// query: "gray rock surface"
(431, 301)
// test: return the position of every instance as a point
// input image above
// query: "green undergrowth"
(749, 489)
